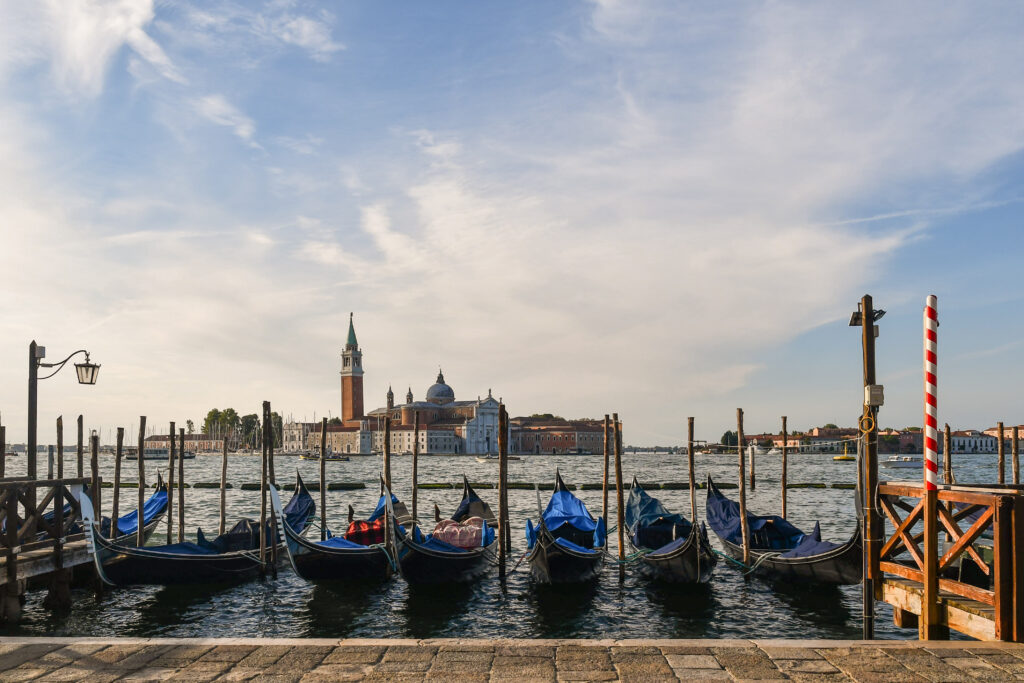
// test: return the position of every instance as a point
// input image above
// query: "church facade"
(445, 425)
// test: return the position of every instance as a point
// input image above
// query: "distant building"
(536, 435)
(971, 441)
(294, 436)
(1007, 436)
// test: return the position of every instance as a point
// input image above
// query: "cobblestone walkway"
(85, 659)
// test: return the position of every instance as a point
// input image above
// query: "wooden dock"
(36, 517)
(933, 565)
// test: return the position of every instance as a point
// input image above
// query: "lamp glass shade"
(87, 372)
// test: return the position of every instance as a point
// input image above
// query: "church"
(445, 424)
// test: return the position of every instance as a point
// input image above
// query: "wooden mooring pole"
(94, 487)
(272, 481)
(872, 584)
(140, 538)
(263, 491)
(1002, 454)
(387, 452)
(323, 480)
(753, 466)
(744, 527)
(117, 484)
(1015, 453)
(60, 447)
(181, 483)
(81, 451)
(947, 455)
(502, 465)
(170, 484)
(416, 457)
(690, 471)
(3, 451)
(604, 483)
(620, 520)
(785, 464)
(223, 486)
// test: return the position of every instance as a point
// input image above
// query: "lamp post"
(87, 373)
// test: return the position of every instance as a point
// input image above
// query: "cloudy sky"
(643, 207)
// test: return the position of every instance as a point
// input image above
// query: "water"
(730, 607)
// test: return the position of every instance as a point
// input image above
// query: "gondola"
(780, 550)
(461, 555)
(567, 544)
(358, 555)
(674, 549)
(232, 556)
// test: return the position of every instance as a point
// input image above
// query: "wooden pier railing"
(36, 527)
(933, 535)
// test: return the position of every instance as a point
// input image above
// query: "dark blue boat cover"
(566, 543)
(339, 542)
(599, 534)
(300, 510)
(812, 545)
(766, 533)
(650, 523)
(186, 548)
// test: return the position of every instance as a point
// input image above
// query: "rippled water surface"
(290, 607)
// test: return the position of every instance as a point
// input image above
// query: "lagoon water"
(729, 607)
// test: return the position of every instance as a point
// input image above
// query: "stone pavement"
(242, 659)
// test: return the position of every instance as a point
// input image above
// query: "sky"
(633, 206)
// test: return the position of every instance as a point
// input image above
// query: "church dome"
(439, 392)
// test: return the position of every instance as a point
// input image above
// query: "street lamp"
(87, 373)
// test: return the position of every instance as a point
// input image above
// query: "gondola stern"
(89, 523)
(282, 522)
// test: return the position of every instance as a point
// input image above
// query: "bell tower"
(351, 377)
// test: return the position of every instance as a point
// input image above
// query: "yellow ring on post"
(871, 424)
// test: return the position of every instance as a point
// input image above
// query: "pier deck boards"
(34, 563)
(26, 659)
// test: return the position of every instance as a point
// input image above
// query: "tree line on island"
(247, 428)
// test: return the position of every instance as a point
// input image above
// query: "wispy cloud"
(216, 109)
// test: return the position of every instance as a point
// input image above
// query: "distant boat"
(330, 457)
(774, 451)
(492, 458)
(157, 454)
(903, 461)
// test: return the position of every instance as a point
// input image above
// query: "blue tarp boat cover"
(129, 524)
(339, 542)
(650, 523)
(379, 510)
(812, 545)
(565, 508)
(766, 533)
(566, 543)
(187, 548)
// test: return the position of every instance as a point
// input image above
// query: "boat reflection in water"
(431, 611)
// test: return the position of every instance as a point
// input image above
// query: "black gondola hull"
(553, 563)
(125, 568)
(315, 562)
(423, 565)
(692, 562)
(842, 565)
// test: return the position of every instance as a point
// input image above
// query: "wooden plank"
(966, 590)
(963, 541)
(1002, 533)
(901, 570)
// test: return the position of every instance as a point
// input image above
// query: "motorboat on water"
(903, 461)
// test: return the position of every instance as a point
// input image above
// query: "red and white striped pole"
(931, 394)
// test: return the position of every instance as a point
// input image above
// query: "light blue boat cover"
(565, 508)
